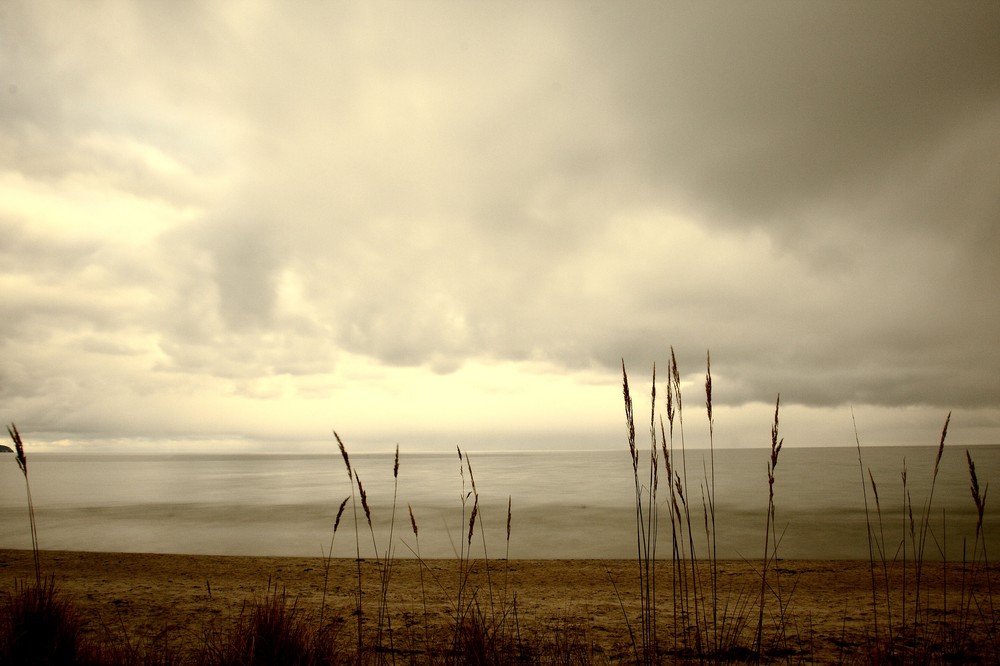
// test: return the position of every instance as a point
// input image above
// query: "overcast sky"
(249, 223)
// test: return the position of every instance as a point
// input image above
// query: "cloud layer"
(216, 216)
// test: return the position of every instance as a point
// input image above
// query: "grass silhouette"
(677, 609)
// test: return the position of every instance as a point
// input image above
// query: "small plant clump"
(38, 626)
(272, 632)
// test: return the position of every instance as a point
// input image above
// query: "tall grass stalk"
(645, 520)
(466, 619)
(384, 622)
(980, 562)
(383, 625)
(678, 578)
(711, 533)
(693, 586)
(509, 608)
(485, 630)
(506, 556)
(868, 533)
(463, 556)
(689, 601)
(634, 457)
(906, 505)
(328, 560)
(900, 631)
(925, 525)
(482, 536)
(769, 528)
(882, 548)
(698, 627)
(368, 515)
(22, 463)
(651, 521)
(420, 563)
(357, 544)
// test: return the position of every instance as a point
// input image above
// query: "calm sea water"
(564, 505)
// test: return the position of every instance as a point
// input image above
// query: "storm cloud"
(218, 217)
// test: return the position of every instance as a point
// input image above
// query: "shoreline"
(180, 598)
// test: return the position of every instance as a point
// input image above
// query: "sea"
(527, 505)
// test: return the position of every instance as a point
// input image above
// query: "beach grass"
(681, 604)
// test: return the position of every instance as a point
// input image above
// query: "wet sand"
(183, 599)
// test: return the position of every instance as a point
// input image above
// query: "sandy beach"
(182, 599)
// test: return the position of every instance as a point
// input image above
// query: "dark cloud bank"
(808, 190)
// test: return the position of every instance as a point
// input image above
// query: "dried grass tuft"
(38, 626)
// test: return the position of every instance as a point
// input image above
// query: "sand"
(182, 599)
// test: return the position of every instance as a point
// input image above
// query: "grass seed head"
(775, 442)
(22, 459)
(472, 479)
(979, 499)
(871, 477)
(663, 446)
(944, 434)
(676, 375)
(472, 518)
(975, 479)
(909, 501)
(652, 402)
(413, 521)
(340, 513)
(343, 452)
(670, 406)
(629, 420)
(708, 388)
(364, 499)
(508, 519)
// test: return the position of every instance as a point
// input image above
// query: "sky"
(242, 225)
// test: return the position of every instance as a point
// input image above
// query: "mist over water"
(564, 505)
